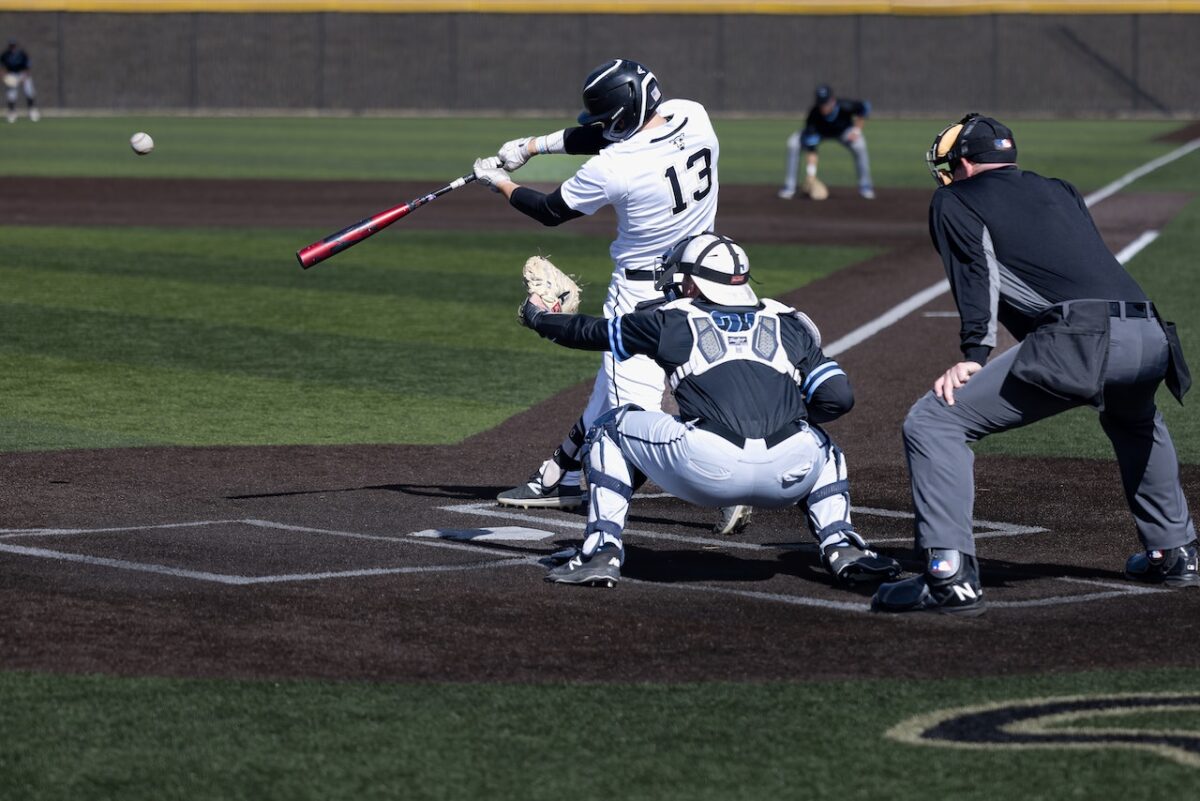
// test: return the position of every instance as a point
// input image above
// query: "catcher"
(751, 382)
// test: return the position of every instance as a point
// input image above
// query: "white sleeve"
(592, 188)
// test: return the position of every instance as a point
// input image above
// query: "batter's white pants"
(708, 470)
(638, 380)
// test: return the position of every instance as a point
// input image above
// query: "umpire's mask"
(981, 139)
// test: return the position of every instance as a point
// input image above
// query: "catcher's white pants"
(708, 470)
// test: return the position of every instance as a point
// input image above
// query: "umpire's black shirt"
(1013, 244)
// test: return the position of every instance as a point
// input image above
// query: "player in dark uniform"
(751, 383)
(17, 76)
(829, 118)
(1022, 250)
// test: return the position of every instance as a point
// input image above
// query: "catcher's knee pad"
(607, 426)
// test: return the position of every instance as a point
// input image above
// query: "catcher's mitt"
(557, 290)
(815, 189)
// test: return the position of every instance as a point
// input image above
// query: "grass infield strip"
(119, 738)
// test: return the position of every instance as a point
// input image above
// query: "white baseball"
(141, 142)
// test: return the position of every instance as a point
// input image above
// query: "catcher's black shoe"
(958, 594)
(850, 561)
(1176, 568)
(602, 569)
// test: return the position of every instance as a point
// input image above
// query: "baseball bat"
(334, 244)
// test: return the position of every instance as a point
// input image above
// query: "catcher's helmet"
(718, 265)
(619, 95)
(976, 137)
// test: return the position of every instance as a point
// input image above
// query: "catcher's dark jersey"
(1014, 244)
(15, 60)
(752, 370)
(820, 126)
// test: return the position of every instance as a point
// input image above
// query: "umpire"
(1022, 250)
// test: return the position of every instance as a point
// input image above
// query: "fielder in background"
(751, 382)
(655, 162)
(17, 76)
(1022, 250)
(829, 118)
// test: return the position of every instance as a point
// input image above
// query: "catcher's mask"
(976, 137)
(718, 265)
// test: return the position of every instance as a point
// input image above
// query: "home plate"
(499, 534)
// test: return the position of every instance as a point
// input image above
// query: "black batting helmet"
(619, 95)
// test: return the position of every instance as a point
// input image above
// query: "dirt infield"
(393, 563)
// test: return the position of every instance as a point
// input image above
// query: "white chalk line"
(902, 310)
(6, 533)
(236, 580)
(489, 510)
(1125, 180)
(1136, 246)
(508, 559)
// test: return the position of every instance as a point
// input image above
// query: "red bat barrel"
(335, 243)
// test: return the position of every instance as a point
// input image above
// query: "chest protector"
(720, 337)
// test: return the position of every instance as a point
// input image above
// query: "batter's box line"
(239, 580)
(990, 528)
(995, 529)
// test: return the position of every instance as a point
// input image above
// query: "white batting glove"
(514, 153)
(489, 173)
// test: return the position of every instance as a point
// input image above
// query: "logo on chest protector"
(727, 321)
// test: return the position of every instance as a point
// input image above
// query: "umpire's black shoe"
(850, 561)
(601, 569)
(1176, 568)
(957, 594)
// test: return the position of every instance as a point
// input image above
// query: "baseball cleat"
(867, 194)
(1177, 568)
(959, 594)
(852, 562)
(602, 569)
(733, 520)
(34, 115)
(533, 494)
(786, 194)
(12, 116)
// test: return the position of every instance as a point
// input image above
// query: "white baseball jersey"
(662, 183)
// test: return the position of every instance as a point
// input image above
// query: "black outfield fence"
(1085, 65)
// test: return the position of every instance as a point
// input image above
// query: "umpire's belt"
(639, 275)
(771, 440)
(1137, 309)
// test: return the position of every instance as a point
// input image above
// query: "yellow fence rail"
(793, 7)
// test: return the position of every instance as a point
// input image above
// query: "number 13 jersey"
(662, 183)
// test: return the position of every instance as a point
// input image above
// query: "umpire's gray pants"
(941, 465)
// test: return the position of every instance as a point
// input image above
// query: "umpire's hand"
(955, 378)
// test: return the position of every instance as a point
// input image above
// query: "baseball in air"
(141, 142)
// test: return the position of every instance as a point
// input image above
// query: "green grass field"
(1087, 153)
(128, 739)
